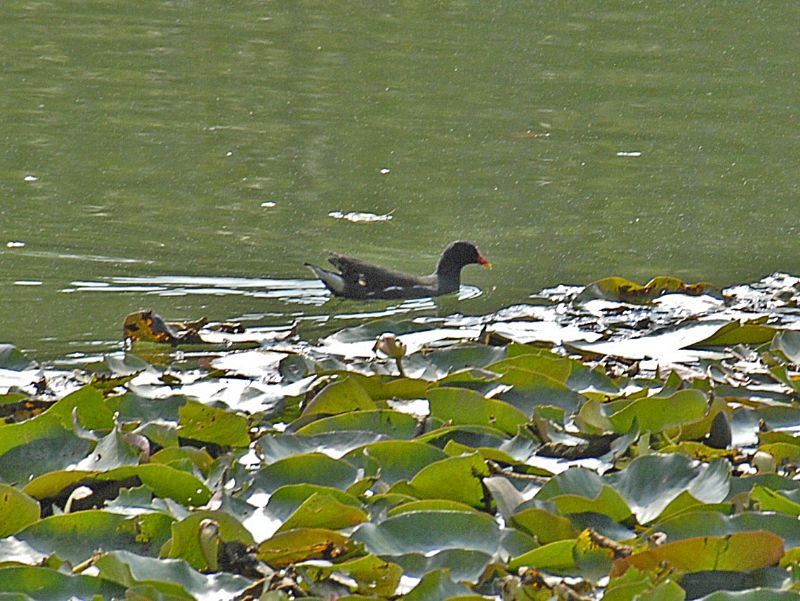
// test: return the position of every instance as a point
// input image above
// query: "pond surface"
(187, 158)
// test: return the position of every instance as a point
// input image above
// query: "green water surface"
(147, 142)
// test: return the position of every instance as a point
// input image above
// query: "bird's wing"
(362, 274)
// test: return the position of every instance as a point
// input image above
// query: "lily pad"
(461, 406)
(738, 552)
(455, 478)
(430, 532)
(309, 468)
(46, 584)
(620, 289)
(17, 510)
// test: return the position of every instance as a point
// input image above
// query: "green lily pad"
(308, 468)
(429, 505)
(570, 372)
(398, 459)
(651, 482)
(373, 575)
(557, 557)
(430, 532)
(75, 537)
(455, 478)
(13, 359)
(437, 364)
(436, 586)
(209, 424)
(711, 523)
(275, 446)
(468, 435)
(324, 511)
(788, 343)
(656, 414)
(342, 396)
(770, 500)
(546, 526)
(172, 576)
(463, 564)
(738, 552)
(578, 490)
(461, 406)
(394, 424)
(112, 451)
(531, 390)
(17, 510)
(302, 544)
(185, 541)
(620, 289)
(739, 333)
(165, 481)
(46, 584)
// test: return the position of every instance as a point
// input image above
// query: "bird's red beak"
(482, 260)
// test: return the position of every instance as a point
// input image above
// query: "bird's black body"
(359, 279)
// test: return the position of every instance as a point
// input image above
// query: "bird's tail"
(332, 280)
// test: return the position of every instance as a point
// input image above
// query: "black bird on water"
(359, 279)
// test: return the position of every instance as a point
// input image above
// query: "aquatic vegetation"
(582, 446)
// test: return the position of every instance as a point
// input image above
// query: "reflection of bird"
(359, 279)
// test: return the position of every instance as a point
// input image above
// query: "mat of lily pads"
(618, 441)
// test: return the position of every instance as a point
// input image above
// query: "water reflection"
(289, 291)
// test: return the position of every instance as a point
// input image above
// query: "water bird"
(362, 280)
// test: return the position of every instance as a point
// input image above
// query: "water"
(186, 157)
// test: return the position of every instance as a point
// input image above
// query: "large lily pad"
(738, 552)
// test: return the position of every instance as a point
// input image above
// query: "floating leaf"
(770, 500)
(302, 544)
(209, 424)
(461, 406)
(394, 424)
(430, 505)
(172, 576)
(546, 526)
(163, 480)
(703, 522)
(655, 414)
(309, 468)
(788, 343)
(76, 536)
(739, 333)
(456, 478)
(430, 532)
(46, 584)
(373, 576)
(285, 501)
(13, 359)
(620, 289)
(579, 490)
(738, 552)
(436, 364)
(399, 459)
(435, 586)
(321, 510)
(17, 510)
(531, 390)
(185, 541)
(651, 482)
(557, 557)
(342, 396)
